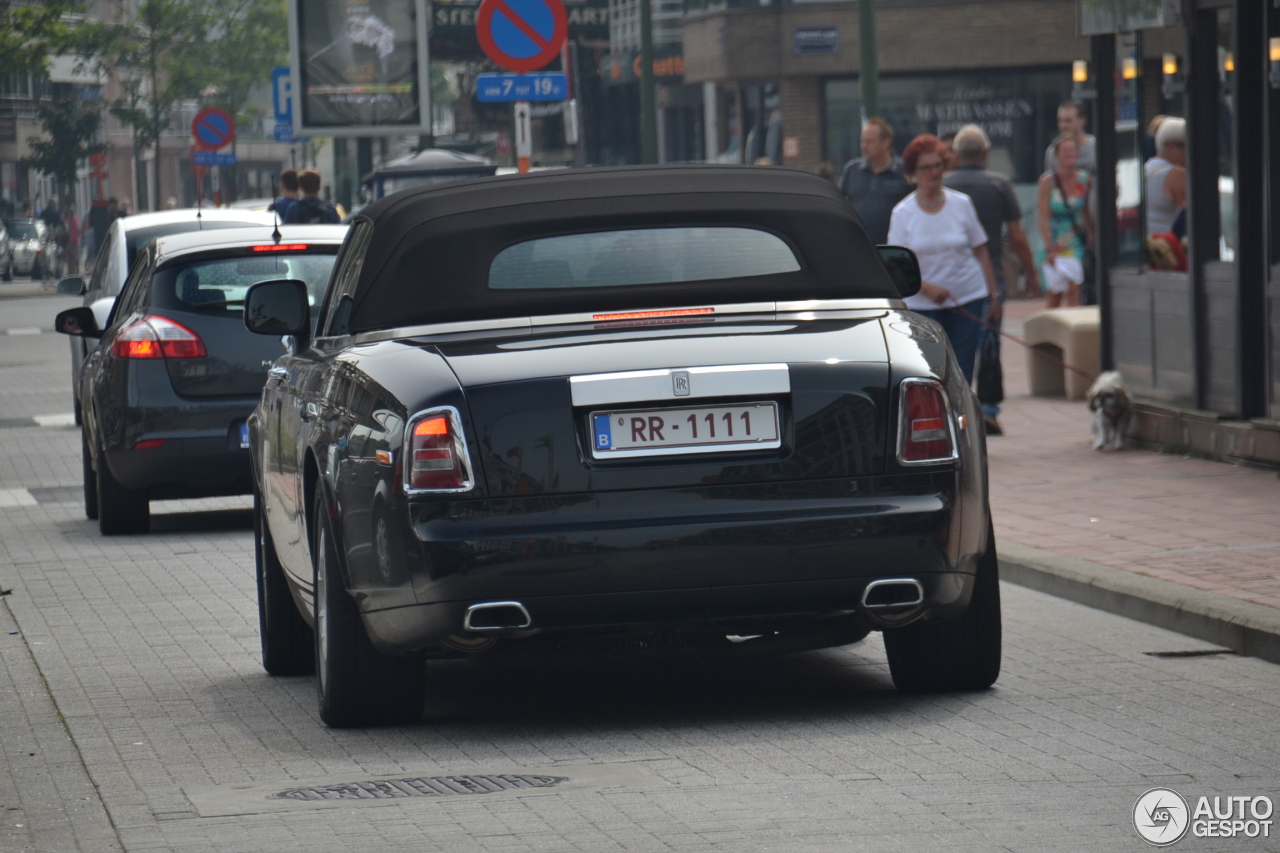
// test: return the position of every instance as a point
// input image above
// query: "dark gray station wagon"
(167, 388)
(623, 408)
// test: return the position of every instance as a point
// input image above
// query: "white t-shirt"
(944, 242)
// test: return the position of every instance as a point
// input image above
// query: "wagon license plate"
(691, 429)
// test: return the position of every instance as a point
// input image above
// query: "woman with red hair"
(942, 228)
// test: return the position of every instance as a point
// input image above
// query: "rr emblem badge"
(680, 383)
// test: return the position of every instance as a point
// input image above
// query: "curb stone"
(1242, 626)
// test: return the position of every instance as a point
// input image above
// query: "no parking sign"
(521, 35)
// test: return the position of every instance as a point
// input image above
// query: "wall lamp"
(1274, 45)
(1079, 81)
(1172, 83)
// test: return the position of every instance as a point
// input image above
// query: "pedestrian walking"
(997, 208)
(1066, 225)
(941, 226)
(72, 251)
(288, 193)
(875, 182)
(1166, 176)
(1071, 122)
(310, 209)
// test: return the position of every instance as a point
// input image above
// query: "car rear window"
(136, 238)
(640, 256)
(219, 284)
(21, 230)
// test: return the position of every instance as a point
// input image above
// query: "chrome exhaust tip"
(893, 593)
(493, 616)
(893, 602)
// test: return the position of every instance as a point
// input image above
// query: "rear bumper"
(201, 455)
(720, 556)
(184, 468)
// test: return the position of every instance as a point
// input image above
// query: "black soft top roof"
(429, 256)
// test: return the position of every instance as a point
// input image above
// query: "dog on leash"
(1109, 402)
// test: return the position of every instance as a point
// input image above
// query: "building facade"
(1198, 342)
(792, 68)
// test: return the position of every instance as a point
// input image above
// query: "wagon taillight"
(925, 436)
(158, 337)
(435, 455)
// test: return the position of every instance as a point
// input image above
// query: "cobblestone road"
(134, 713)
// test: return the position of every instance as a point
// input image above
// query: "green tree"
(157, 48)
(31, 34)
(70, 129)
(246, 39)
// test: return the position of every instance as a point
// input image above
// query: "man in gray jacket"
(997, 208)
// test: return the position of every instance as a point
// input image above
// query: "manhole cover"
(338, 793)
(419, 786)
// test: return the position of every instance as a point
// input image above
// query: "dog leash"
(989, 327)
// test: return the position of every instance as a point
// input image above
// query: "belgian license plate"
(690, 429)
(244, 436)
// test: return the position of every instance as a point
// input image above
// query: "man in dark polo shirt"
(997, 208)
(874, 183)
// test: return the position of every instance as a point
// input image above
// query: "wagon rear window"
(640, 256)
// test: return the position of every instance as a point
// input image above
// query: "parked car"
(31, 246)
(173, 376)
(632, 408)
(101, 284)
(6, 255)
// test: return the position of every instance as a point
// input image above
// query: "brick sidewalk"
(1207, 525)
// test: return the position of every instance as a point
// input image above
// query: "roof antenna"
(275, 235)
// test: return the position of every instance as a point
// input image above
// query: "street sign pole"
(869, 71)
(648, 105)
(524, 135)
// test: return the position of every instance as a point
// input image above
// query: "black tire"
(8, 270)
(357, 685)
(90, 480)
(962, 654)
(120, 510)
(37, 270)
(287, 645)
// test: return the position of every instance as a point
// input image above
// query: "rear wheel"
(37, 269)
(7, 275)
(120, 510)
(90, 479)
(287, 645)
(357, 685)
(962, 654)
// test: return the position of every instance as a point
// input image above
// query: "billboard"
(359, 67)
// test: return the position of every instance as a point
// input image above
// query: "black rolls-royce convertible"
(630, 408)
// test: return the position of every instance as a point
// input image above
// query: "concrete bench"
(1067, 335)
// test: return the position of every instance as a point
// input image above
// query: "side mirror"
(71, 285)
(278, 308)
(77, 321)
(903, 268)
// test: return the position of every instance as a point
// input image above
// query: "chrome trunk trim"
(680, 383)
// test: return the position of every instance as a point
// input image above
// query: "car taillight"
(435, 457)
(158, 337)
(925, 435)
